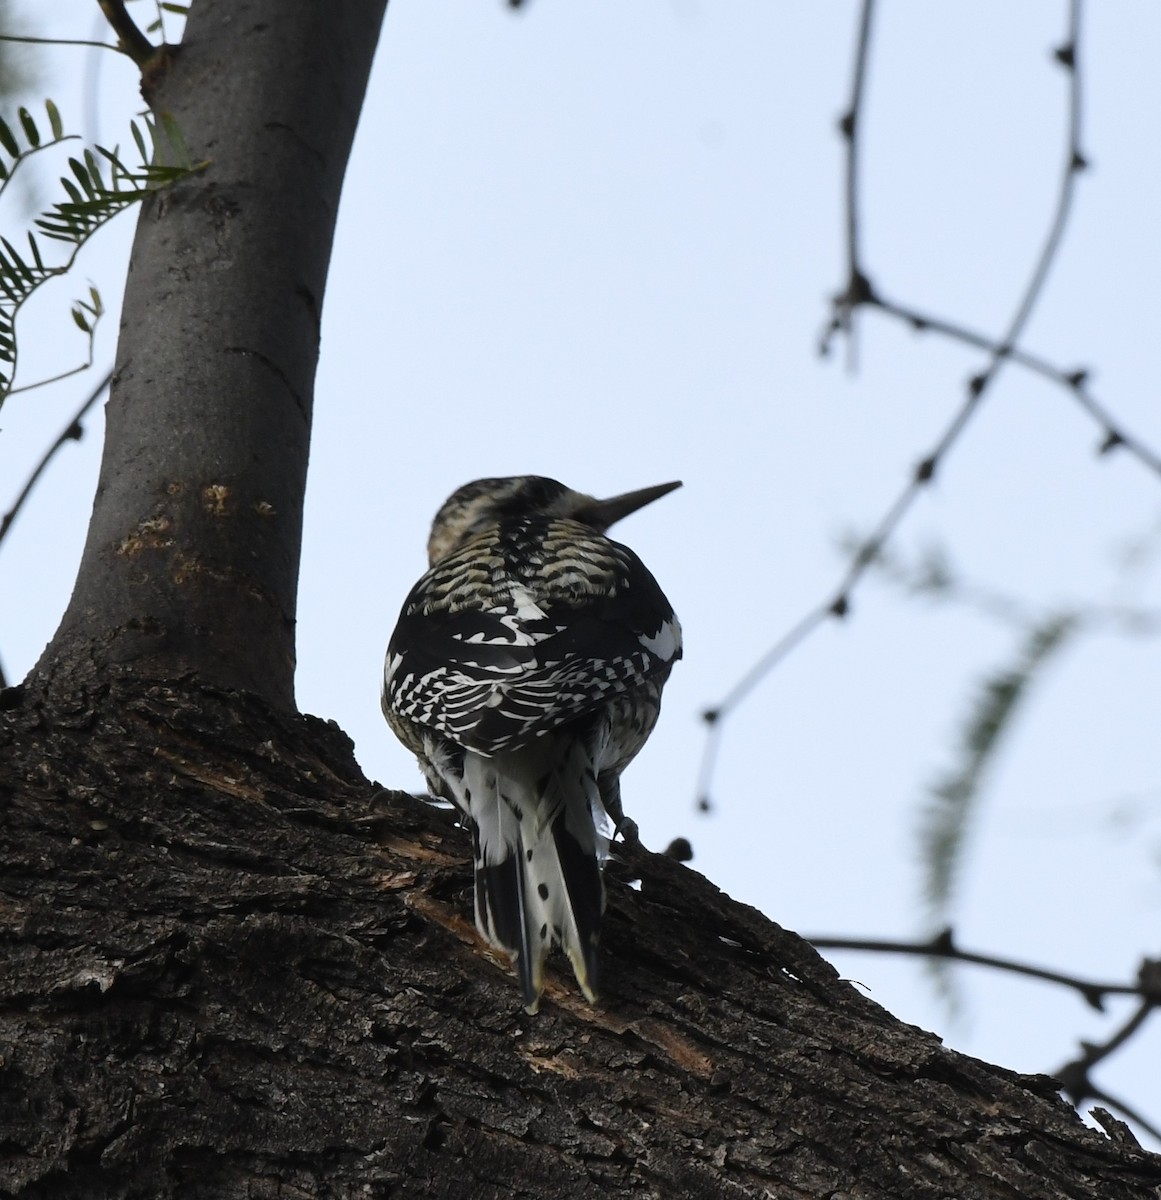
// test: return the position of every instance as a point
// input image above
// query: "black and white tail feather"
(537, 850)
(525, 672)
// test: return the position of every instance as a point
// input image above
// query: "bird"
(525, 672)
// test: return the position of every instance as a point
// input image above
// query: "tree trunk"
(191, 561)
(231, 967)
(233, 970)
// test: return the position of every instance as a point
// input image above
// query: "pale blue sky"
(596, 242)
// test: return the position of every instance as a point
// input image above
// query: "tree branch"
(130, 39)
(322, 1014)
(942, 945)
(1074, 381)
(40, 41)
(1076, 1076)
(860, 291)
(72, 432)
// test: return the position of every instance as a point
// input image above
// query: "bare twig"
(72, 432)
(40, 41)
(712, 716)
(1076, 1076)
(28, 387)
(860, 291)
(130, 39)
(942, 945)
(1073, 381)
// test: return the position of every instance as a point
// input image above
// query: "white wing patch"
(666, 642)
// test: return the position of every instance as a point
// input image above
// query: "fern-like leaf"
(952, 797)
(102, 186)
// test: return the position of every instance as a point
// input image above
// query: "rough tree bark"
(231, 966)
(233, 970)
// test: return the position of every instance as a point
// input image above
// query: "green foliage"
(101, 186)
(953, 796)
(158, 25)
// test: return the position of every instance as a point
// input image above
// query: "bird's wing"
(494, 679)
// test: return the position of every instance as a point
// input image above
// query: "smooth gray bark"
(191, 561)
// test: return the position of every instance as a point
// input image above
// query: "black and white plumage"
(525, 672)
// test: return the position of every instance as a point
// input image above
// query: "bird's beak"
(603, 513)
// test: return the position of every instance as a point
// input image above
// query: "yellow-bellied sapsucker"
(524, 673)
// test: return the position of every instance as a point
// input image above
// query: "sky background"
(598, 242)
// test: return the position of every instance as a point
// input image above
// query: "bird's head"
(476, 506)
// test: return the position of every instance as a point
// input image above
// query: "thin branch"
(1067, 56)
(850, 129)
(131, 40)
(858, 291)
(40, 41)
(1076, 1076)
(713, 716)
(1073, 381)
(28, 387)
(942, 945)
(72, 432)
(782, 649)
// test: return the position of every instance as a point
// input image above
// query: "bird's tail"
(538, 880)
